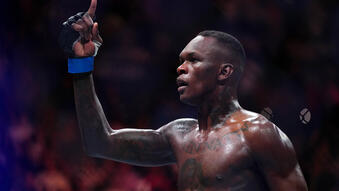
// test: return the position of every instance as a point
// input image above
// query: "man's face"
(198, 70)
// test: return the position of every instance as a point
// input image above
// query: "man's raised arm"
(133, 146)
(81, 40)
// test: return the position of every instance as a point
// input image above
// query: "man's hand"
(80, 35)
(90, 40)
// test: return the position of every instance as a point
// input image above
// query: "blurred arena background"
(293, 52)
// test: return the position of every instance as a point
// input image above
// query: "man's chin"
(188, 101)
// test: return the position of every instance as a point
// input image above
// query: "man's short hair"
(237, 52)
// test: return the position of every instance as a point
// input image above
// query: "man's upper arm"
(275, 157)
(142, 147)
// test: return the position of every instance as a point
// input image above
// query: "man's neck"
(214, 113)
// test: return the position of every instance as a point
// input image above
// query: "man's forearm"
(94, 126)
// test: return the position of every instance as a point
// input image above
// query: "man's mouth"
(181, 85)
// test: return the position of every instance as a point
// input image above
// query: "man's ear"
(225, 71)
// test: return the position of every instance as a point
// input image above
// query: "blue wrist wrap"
(80, 65)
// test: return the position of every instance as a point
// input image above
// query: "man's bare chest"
(221, 159)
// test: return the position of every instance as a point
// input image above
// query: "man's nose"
(182, 69)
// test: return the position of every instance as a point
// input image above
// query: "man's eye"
(193, 60)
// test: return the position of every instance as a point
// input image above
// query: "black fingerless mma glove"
(68, 35)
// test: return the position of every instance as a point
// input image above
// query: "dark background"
(292, 49)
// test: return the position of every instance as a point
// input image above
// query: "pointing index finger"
(92, 8)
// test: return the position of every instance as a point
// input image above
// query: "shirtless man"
(226, 148)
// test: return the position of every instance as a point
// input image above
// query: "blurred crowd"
(292, 48)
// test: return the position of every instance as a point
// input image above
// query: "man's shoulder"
(260, 130)
(265, 139)
(255, 121)
(184, 121)
(182, 125)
